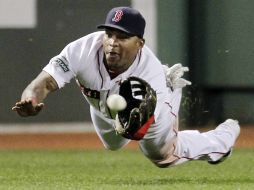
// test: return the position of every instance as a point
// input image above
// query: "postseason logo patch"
(61, 63)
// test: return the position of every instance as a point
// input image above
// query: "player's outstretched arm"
(34, 94)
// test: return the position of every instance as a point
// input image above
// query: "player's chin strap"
(139, 134)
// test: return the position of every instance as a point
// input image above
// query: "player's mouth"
(113, 53)
(112, 56)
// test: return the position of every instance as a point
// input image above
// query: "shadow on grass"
(170, 181)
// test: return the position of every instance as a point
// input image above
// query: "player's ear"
(141, 42)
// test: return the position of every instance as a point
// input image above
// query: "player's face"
(120, 50)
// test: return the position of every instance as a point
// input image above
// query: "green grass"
(119, 170)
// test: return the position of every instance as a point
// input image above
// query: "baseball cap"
(125, 19)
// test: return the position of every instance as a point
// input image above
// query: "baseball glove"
(134, 121)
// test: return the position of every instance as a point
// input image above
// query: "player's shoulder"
(149, 60)
(150, 65)
(95, 36)
(90, 40)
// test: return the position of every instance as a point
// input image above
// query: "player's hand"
(28, 107)
(174, 76)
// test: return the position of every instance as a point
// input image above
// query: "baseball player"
(117, 61)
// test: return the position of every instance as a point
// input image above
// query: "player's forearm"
(39, 88)
(37, 93)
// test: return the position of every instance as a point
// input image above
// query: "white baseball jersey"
(83, 60)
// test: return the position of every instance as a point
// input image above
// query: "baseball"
(116, 102)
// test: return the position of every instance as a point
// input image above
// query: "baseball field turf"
(124, 169)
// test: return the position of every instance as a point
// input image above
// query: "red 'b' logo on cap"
(118, 16)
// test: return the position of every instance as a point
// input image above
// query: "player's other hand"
(174, 76)
(28, 107)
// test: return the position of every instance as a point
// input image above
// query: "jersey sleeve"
(58, 67)
(65, 66)
(74, 59)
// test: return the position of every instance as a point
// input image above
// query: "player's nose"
(113, 41)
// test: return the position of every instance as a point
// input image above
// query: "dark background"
(213, 37)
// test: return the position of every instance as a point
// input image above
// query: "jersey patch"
(61, 63)
(91, 93)
(88, 92)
